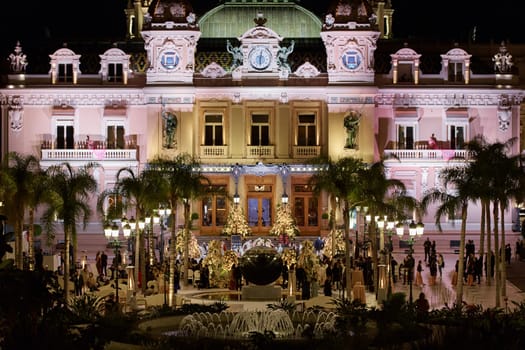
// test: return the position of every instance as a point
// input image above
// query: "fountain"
(240, 325)
(277, 321)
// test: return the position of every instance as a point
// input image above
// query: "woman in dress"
(419, 277)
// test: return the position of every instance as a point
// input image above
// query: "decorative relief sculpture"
(16, 114)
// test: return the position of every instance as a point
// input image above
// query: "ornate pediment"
(260, 33)
(213, 70)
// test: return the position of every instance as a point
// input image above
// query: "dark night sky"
(62, 20)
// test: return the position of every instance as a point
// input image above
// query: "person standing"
(426, 247)
(419, 276)
(327, 287)
(98, 263)
(39, 260)
(104, 263)
(422, 306)
(432, 142)
(440, 264)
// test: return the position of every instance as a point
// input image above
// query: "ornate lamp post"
(414, 231)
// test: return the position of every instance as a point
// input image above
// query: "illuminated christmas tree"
(284, 224)
(236, 223)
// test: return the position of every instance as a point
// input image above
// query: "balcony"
(87, 155)
(96, 152)
(261, 151)
(428, 154)
(214, 151)
(306, 151)
(422, 153)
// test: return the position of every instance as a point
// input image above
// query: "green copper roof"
(233, 18)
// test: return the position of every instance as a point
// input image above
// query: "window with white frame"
(65, 133)
(65, 73)
(457, 126)
(260, 130)
(406, 134)
(406, 122)
(115, 72)
(306, 130)
(115, 134)
(213, 130)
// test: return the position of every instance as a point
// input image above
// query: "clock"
(260, 57)
(351, 59)
(169, 59)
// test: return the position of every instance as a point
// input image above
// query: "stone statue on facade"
(170, 126)
(236, 53)
(502, 60)
(282, 56)
(18, 60)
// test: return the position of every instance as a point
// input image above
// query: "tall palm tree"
(142, 192)
(500, 178)
(339, 179)
(383, 196)
(459, 189)
(184, 182)
(19, 181)
(39, 195)
(507, 185)
(71, 190)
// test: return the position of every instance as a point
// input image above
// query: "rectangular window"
(115, 72)
(65, 72)
(260, 130)
(213, 130)
(455, 72)
(306, 130)
(456, 135)
(405, 136)
(115, 136)
(65, 135)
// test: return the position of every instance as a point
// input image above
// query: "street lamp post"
(414, 231)
(112, 235)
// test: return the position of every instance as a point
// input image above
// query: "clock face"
(260, 57)
(169, 59)
(351, 59)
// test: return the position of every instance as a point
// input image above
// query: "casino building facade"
(256, 89)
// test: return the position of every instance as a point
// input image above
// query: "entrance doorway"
(260, 213)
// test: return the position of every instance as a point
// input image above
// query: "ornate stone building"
(261, 88)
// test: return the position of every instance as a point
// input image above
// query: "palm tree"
(340, 180)
(500, 178)
(183, 182)
(39, 195)
(459, 189)
(385, 197)
(19, 182)
(142, 192)
(70, 190)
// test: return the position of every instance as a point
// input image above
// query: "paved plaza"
(441, 294)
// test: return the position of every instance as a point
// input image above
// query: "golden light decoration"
(229, 259)
(289, 257)
(194, 251)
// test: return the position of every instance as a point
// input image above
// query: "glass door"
(260, 214)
